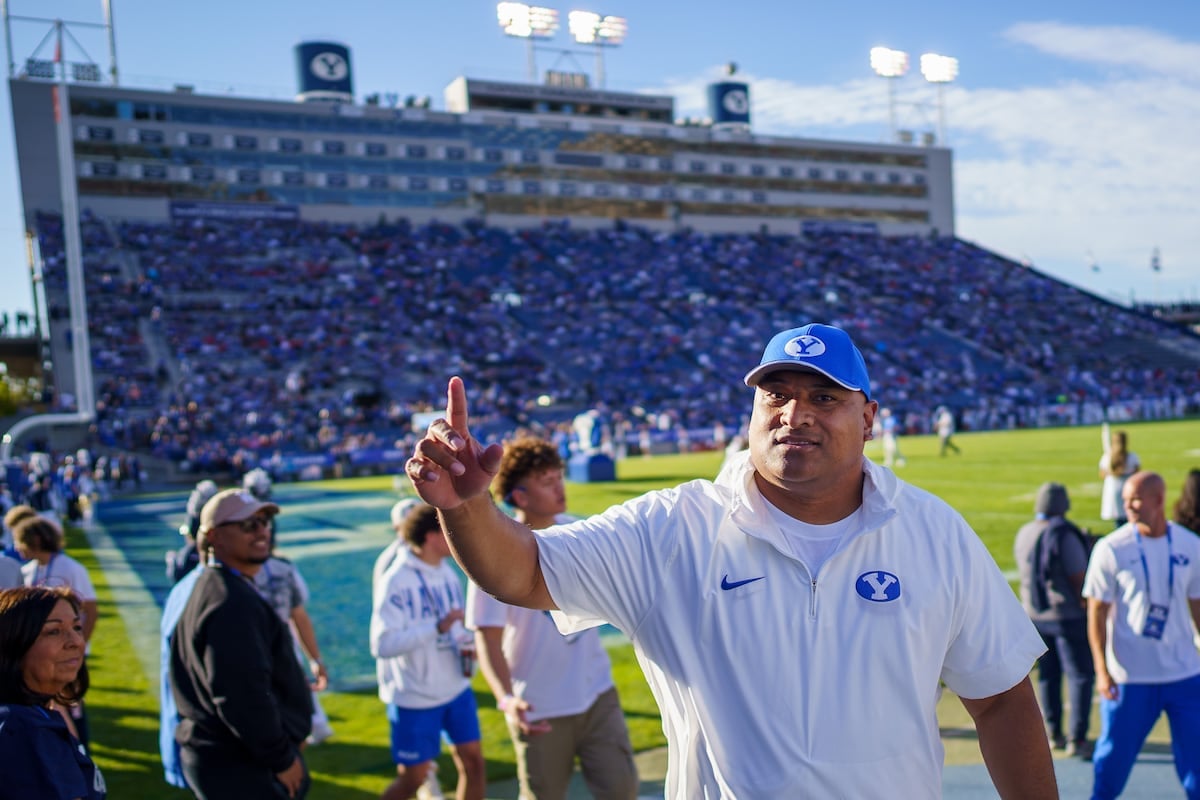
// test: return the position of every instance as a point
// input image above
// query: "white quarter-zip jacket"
(773, 683)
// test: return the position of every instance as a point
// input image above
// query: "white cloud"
(1112, 45)
(1052, 171)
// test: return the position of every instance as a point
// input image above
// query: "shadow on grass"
(958, 733)
(124, 743)
(1160, 751)
(655, 480)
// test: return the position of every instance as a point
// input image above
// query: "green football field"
(333, 530)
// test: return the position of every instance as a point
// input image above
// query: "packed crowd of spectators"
(305, 337)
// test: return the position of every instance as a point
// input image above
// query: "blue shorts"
(417, 732)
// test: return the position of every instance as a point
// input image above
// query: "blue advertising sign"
(268, 211)
(323, 71)
(729, 103)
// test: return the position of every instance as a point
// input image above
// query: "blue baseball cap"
(816, 348)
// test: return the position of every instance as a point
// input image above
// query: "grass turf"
(992, 484)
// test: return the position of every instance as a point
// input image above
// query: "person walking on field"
(1117, 463)
(1143, 591)
(943, 422)
(1052, 556)
(890, 432)
(556, 691)
(424, 659)
(783, 611)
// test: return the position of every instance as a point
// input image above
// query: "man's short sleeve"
(300, 593)
(608, 568)
(80, 581)
(994, 644)
(1100, 581)
(483, 610)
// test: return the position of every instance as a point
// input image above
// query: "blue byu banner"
(729, 103)
(378, 456)
(813, 228)
(323, 72)
(269, 211)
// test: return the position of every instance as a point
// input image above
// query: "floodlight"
(588, 27)
(600, 31)
(525, 21)
(939, 69)
(889, 63)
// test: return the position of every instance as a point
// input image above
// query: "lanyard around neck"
(1146, 568)
(45, 579)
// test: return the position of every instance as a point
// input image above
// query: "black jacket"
(234, 673)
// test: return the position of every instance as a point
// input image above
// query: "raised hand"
(448, 466)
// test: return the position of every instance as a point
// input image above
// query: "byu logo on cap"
(806, 346)
(878, 586)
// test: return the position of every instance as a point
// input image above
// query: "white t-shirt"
(772, 683)
(557, 675)
(1115, 576)
(813, 544)
(280, 583)
(1111, 503)
(61, 570)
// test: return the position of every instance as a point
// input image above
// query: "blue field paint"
(332, 536)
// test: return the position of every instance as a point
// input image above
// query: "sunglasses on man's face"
(252, 524)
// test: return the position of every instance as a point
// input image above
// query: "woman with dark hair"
(40, 541)
(41, 664)
(1187, 507)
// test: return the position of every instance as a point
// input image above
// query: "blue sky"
(1075, 125)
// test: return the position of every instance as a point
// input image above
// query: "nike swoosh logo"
(727, 584)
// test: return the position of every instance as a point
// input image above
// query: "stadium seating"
(219, 343)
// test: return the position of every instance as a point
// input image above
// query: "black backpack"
(1046, 559)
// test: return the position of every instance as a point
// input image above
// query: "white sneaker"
(321, 731)
(431, 789)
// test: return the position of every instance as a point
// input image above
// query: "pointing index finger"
(456, 406)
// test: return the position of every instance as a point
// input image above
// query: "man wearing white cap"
(399, 513)
(431, 789)
(795, 617)
(244, 702)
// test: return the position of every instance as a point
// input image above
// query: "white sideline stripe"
(133, 601)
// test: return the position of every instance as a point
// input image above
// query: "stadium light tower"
(940, 70)
(599, 31)
(890, 64)
(527, 22)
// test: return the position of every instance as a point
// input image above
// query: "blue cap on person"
(816, 348)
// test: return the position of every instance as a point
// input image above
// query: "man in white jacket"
(794, 618)
(424, 661)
